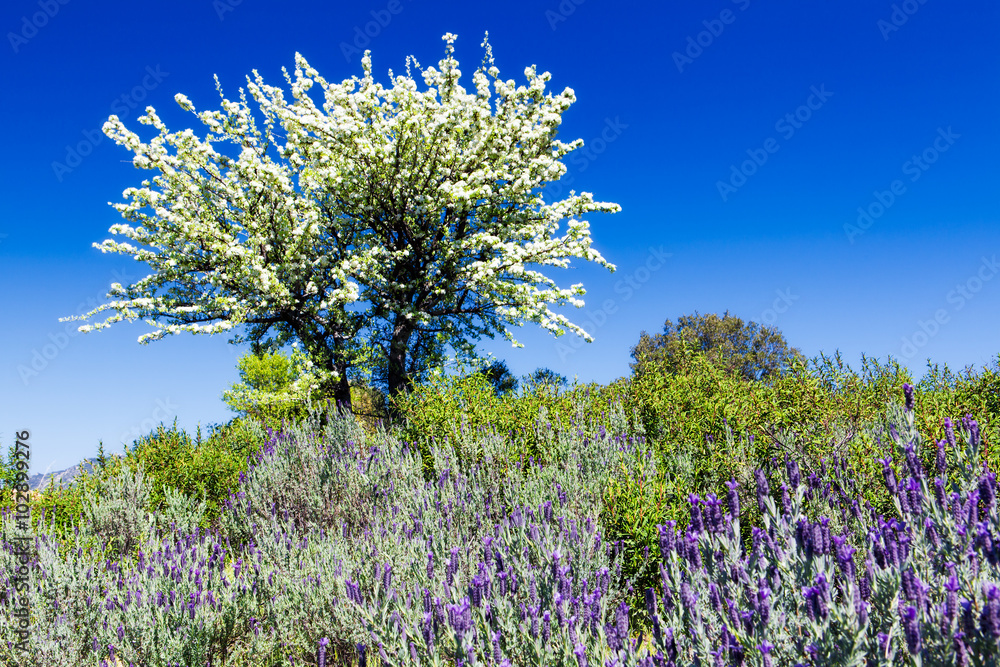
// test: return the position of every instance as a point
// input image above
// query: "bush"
(281, 579)
(199, 469)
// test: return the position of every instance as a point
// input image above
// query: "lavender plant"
(337, 547)
(927, 592)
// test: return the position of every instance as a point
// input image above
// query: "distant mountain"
(61, 478)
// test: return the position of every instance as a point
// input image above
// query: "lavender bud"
(989, 620)
(908, 395)
(733, 498)
(666, 538)
(765, 650)
(911, 629)
(889, 475)
(321, 657)
(696, 524)
(763, 490)
(961, 650)
(942, 458)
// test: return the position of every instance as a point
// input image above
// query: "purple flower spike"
(989, 620)
(763, 490)
(696, 525)
(889, 475)
(942, 458)
(961, 650)
(911, 628)
(972, 426)
(765, 650)
(792, 469)
(666, 538)
(321, 658)
(908, 395)
(733, 498)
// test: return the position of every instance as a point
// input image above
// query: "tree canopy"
(546, 376)
(753, 351)
(385, 221)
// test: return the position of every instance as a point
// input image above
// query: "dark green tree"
(500, 377)
(753, 351)
(546, 376)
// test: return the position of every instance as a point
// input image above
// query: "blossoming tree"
(393, 219)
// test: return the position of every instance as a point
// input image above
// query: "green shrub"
(205, 470)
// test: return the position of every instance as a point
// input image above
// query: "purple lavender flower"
(621, 621)
(452, 566)
(942, 458)
(908, 395)
(932, 533)
(692, 550)
(714, 598)
(972, 426)
(763, 607)
(951, 598)
(989, 620)
(666, 538)
(792, 470)
(713, 513)
(889, 475)
(321, 657)
(765, 649)
(987, 489)
(763, 490)
(733, 498)
(911, 628)
(652, 609)
(386, 577)
(689, 599)
(696, 524)
(961, 650)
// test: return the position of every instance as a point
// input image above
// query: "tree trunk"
(397, 378)
(342, 391)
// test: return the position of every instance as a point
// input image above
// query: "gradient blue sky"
(679, 108)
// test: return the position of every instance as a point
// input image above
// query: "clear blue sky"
(739, 138)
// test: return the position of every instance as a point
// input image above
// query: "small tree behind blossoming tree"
(386, 219)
